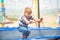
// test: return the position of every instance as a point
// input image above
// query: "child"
(25, 20)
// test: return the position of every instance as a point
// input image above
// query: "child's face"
(28, 14)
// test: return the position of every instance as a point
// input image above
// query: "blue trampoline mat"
(35, 38)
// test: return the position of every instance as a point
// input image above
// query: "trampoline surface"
(36, 34)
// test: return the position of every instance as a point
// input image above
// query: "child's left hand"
(41, 19)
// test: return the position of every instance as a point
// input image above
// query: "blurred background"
(48, 9)
(14, 9)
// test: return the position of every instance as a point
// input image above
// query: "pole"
(38, 14)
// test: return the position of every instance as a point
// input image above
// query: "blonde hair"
(27, 9)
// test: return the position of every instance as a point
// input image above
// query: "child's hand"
(41, 19)
(31, 21)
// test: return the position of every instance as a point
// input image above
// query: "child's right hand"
(31, 21)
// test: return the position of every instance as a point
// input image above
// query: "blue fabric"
(25, 31)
